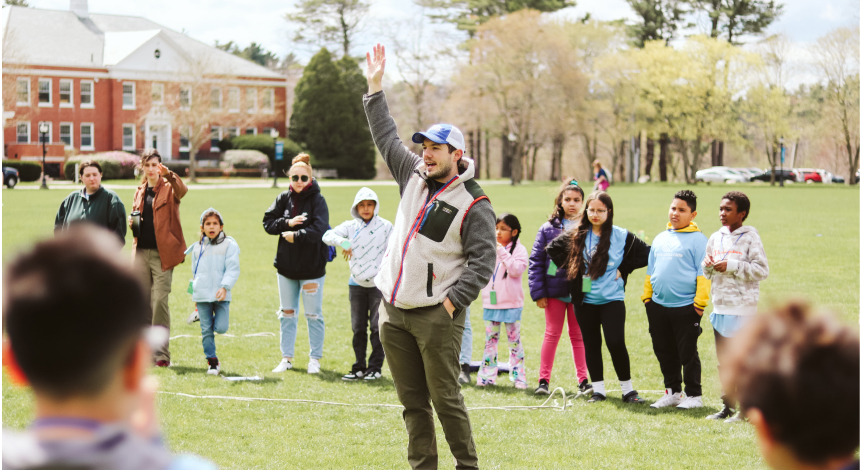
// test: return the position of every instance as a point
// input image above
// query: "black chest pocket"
(438, 221)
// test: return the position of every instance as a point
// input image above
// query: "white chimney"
(79, 8)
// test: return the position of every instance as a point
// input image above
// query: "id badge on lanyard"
(587, 285)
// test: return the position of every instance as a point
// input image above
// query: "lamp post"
(781, 175)
(43, 131)
(275, 157)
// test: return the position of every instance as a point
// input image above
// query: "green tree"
(254, 53)
(328, 22)
(658, 20)
(328, 118)
(732, 19)
(468, 15)
(17, 3)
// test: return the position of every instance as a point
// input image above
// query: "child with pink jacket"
(503, 302)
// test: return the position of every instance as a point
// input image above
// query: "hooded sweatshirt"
(367, 240)
(215, 264)
(674, 274)
(737, 290)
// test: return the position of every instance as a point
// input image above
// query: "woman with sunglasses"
(300, 217)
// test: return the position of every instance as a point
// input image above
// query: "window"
(24, 92)
(47, 136)
(215, 98)
(128, 95)
(233, 100)
(45, 92)
(87, 136)
(215, 137)
(86, 93)
(232, 132)
(268, 99)
(251, 100)
(184, 138)
(185, 97)
(66, 133)
(267, 130)
(128, 137)
(158, 93)
(251, 131)
(23, 133)
(66, 94)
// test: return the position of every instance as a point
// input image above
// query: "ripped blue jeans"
(289, 291)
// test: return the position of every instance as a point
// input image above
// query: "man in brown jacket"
(160, 245)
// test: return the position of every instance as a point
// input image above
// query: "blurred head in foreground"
(797, 379)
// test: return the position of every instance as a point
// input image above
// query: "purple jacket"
(541, 284)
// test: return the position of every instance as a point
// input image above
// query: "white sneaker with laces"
(736, 418)
(313, 366)
(669, 399)
(193, 317)
(284, 365)
(691, 402)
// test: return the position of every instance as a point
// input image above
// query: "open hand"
(163, 170)
(348, 253)
(221, 294)
(376, 64)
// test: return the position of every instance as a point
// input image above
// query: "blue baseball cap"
(442, 134)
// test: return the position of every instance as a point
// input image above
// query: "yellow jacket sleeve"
(648, 289)
(701, 296)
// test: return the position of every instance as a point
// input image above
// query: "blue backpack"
(331, 253)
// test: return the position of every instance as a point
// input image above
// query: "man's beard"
(443, 169)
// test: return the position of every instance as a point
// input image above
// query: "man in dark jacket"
(93, 204)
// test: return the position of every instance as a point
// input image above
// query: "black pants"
(364, 306)
(721, 342)
(610, 318)
(674, 332)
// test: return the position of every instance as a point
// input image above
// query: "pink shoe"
(521, 385)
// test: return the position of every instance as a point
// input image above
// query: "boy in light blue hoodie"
(364, 240)
(675, 294)
(215, 268)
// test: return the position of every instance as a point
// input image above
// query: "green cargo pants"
(157, 286)
(422, 347)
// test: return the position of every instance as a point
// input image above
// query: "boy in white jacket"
(735, 262)
(364, 240)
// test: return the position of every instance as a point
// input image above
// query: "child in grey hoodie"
(364, 240)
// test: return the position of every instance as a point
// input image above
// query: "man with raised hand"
(440, 256)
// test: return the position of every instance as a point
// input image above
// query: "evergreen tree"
(467, 15)
(328, 118)
(733, 19)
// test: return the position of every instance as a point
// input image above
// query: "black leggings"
(610, 317)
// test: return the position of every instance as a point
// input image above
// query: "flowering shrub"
(115, 164)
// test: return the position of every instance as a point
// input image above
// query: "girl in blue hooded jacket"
(215, 268)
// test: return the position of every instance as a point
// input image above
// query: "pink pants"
(555, 317)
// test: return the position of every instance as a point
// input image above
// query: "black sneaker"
(597, 397)
(584, 386)
(633, 397)
(542, 389)
(725, 413)
(464, 376)
(356, 375)
(215, 367)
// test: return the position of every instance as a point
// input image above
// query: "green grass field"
(811, 235)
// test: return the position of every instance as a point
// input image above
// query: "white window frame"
(187, 147)
(251, 95)
(18, 135)
(50, 136)
(233, 132)
(214, 148)
(50, 103)
(220, 100)
(17, 84)
(132, 127)
(92, 94)
(71, 125)
(129, 106)
(159, 86)
(268, 93)
(188, 91)
(252, 128)
(267, 131)
(234, 92)
(92, 145)
(71, 103)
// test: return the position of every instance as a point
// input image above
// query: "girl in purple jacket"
(549, 288)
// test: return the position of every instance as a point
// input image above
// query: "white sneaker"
(313, 366)
(690, 402)
(283, 365)
(669, 399)
(193, 317)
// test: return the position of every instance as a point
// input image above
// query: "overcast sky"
(262, 20)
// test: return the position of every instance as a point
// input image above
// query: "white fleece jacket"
(737, 290)
(367, 240)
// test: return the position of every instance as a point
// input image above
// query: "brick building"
(112, 82)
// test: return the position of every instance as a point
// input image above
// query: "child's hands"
(298, 220)
(708, 261)
(542, 303)
(619, 274)
(221, 294)
(721, 266)
(699, 311)
(348, 253)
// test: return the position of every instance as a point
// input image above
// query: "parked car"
(745, 172)
(756, 171)
(10, 177)
(809, 175)
(718, 174)
(786, 175)
(838, 179)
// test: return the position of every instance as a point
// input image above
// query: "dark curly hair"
(741, 200)
(689, 197)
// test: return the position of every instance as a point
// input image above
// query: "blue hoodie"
(674, 274)
(215, 264)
